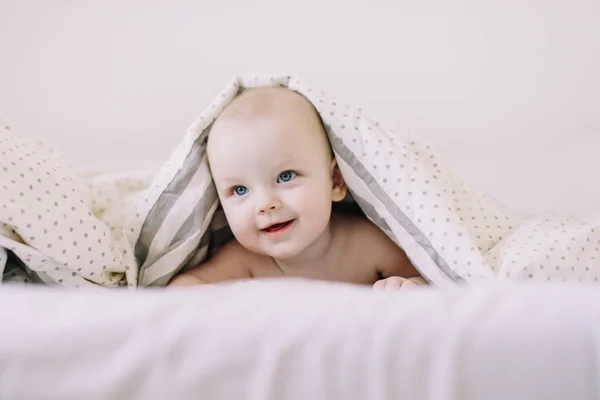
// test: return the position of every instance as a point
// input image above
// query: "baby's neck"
(316, 256)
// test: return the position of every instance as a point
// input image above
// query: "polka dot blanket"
(140, 229)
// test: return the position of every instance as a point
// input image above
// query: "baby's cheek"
(317, 211)
(237, 220)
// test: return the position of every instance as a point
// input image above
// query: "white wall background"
(507, 91)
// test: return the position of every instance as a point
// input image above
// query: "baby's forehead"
(275, 129)
(263, 140)
(275, 118)
(238, 161)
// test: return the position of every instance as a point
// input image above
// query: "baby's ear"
(339, 188)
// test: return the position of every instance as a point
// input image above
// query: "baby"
(276, 178)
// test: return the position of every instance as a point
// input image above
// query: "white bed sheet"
(300, 340)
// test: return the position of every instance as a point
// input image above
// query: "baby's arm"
(229, 263)
(393, 265)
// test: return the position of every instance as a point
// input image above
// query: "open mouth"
(278, 227)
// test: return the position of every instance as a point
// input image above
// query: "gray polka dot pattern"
(46, 219)
(550, 248)
(140, 229)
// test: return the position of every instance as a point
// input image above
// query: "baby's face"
(274, 180)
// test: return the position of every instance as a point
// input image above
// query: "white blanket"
(140, 230)
(315, 341)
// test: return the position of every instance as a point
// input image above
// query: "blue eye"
(286, 176)
(240, 190)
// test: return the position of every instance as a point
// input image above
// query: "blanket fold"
(141, 228)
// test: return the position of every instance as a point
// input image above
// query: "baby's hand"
(396, 283)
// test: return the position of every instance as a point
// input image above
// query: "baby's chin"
(280, 251)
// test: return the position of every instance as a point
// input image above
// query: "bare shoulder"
(363, 234)
(231, 249)
(363, 229)
(230, 262)
(387, 257)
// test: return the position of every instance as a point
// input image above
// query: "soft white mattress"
(300, 340)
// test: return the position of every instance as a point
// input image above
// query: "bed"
(511, 310)
(300, 340)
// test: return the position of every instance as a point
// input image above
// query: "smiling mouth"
(277, 227)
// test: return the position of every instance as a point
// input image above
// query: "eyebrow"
(229, 180)
(279, 167)
(284, 163)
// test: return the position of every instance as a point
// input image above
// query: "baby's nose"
(272, 204)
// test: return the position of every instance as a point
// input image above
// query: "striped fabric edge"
(394, 211)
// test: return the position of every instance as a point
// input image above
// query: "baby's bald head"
(262, 102)
(270, 106)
